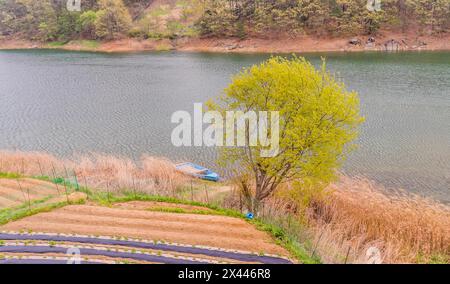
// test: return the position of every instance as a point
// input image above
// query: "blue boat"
(198, 171)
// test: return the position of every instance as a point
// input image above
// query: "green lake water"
(70, 103)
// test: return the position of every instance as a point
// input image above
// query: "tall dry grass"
(104, 172)
(358, 215)
(358, 221)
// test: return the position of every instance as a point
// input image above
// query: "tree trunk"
(254, 206)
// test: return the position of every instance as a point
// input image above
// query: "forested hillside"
(49, 20)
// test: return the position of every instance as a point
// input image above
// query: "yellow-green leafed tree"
(113, 19)
(318, 122)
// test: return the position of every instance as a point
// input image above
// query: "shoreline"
(306, 44)
(342, 177)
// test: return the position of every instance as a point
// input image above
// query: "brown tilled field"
(190, 229)
(127, 232)
(14, 192)
(154, 206)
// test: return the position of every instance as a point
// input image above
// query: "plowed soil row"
(190, 229)
(14, 192)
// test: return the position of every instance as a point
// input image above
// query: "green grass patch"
(184, 211)
(10, 175)
(13, 214)
(90, 43)
(70, 184)
(163, 47)
(56, 44)
(87, 44)
(168, 210)
(434, 259)
(295, 248)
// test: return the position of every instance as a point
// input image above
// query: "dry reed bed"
(359, 216)
(358, 221)
(149, 175)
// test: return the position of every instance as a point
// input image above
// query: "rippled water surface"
(68, 103)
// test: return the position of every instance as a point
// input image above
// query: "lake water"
(68, 103)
